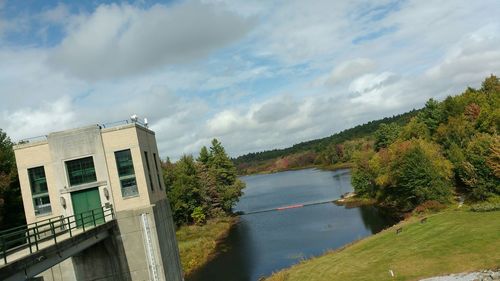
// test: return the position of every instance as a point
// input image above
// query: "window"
(81, 171)
(149, 170)
(126, 173)
(39, 190)
(157, 171)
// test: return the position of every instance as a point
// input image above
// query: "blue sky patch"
(374, 35)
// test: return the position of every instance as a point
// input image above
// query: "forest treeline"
(337, 148)
(202, 188)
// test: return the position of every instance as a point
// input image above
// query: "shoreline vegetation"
(331, 167)
(451, 241)
(351, 200)
(198, 243)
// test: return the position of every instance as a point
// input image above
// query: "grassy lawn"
(449, 242)
(197, 243)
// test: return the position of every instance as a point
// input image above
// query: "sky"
(256, 75)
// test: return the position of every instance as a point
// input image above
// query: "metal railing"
(31, 235)
(32, 139)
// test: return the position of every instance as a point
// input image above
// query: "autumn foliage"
(450, 146)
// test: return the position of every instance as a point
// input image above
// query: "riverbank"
(197, 244)
(451, 241)
(333, 167)
(351, 200)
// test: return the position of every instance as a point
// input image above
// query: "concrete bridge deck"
(21, 264)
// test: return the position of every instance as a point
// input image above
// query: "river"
(262, 243)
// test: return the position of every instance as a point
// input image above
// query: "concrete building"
(77, 170)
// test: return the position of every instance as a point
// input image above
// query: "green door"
(84, 202)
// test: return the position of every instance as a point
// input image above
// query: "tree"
(491, 85)
(168, 173)
(364, 174)
(386, 135)
(451, 107)
(202, 189)
(478, 167)
(7, 159)
(205, 156)
(415, 129)
(229, 187)
(431, 115)
(211, 197)
(493, 160)
(404, 175)
(458, 130)
(10, 192)
(185, 193)
(419, 173)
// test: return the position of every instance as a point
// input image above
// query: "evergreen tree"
(205, 156)
(431, 115)
(168, 173)
(185, 193)
(202, 189)
(221, 165)
(386, 135)
(228, 186)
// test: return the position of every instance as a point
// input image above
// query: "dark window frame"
(149, 170)
(80, 171)
(155, 158)
(39, 191)
(126, 173)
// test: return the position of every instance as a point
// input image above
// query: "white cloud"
(26, 80)
(275, 110)
(123, 40)
(225, 122)
(30, 122)
(299, 31)
(347, 70)
(370, 82)
(471, 59)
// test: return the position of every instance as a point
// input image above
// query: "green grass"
(449, 242)
(197, 244)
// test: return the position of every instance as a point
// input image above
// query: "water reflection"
(265, 242)
(235, 257)
(375, 219)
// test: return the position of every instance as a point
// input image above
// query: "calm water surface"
(262, 243)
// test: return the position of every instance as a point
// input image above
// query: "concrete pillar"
(150, 250)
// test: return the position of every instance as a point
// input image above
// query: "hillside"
(307, 153)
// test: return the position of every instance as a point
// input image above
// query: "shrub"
(493, 204)
(485, 207)
(198, 215)
(429, 206)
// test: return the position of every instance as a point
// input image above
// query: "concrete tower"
(70, 172)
